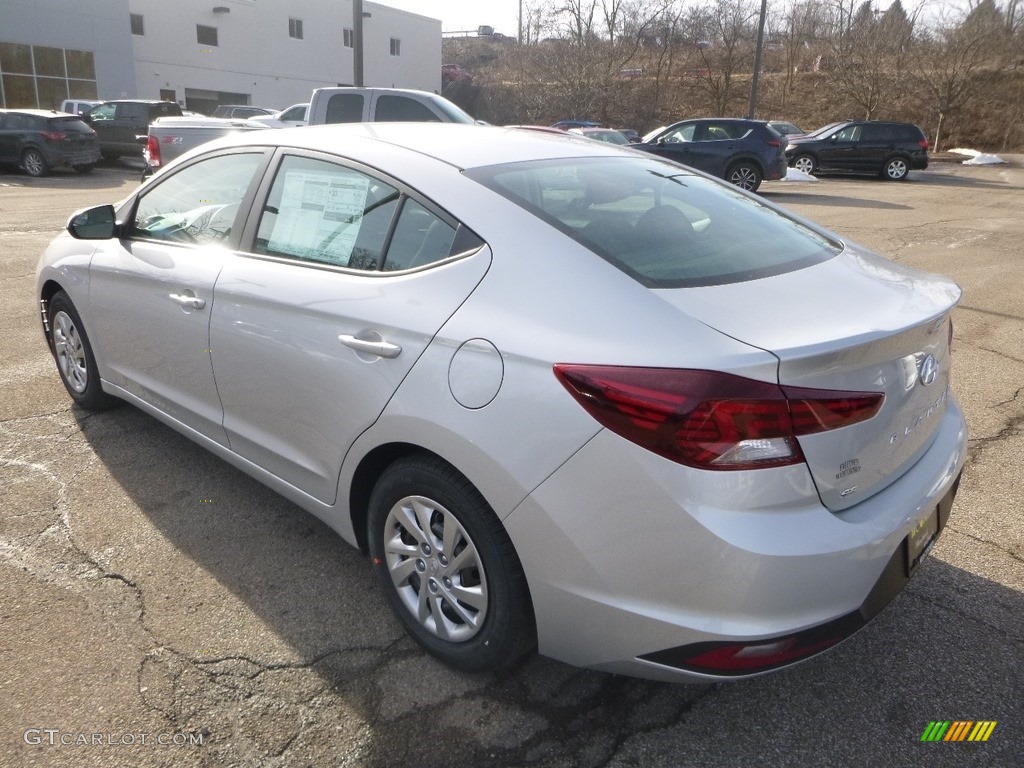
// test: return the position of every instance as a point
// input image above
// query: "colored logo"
(958, 730)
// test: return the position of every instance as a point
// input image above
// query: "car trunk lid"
(856, 322)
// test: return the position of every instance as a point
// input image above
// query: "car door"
(151, 292)
(348, 282)
(876, 143)
(714, 145)
(130, 120)
(839, 151)
(677, 143)
(8, 139)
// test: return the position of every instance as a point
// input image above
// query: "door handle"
(380, 348)
(189, 302)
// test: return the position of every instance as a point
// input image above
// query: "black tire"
(470, 606)
(805, 163)
(34, 163)
(73, 354)
(745, 175)
(87, 168)
(896, 169)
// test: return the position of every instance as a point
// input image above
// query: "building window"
(37, 76)
(295, 28)
(396, 46)
(206, 35)
(137, 25)
(349, 38)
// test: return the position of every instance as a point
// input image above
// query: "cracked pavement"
(148, 589)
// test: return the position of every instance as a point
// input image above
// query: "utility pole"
(520, 22)
(357, 42)
(757, 61)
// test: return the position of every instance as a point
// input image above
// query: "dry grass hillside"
(507, 89)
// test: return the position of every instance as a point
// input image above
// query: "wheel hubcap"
(804, 165)
(67, 345)
(435, 568)
(744, 178)
(897, 169)
(33, 163)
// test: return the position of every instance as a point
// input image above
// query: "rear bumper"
(634, 561)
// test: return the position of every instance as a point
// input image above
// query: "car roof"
(456, 144)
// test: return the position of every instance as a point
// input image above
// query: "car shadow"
(931, 655)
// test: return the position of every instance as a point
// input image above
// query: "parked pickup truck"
(170, 137)
(355, 105)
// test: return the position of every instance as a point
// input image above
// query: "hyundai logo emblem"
(928, 369)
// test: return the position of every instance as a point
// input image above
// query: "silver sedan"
(565, 395)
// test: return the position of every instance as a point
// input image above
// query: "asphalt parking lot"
(159, 608)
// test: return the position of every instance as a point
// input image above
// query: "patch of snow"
(976, 157)
(793, 174)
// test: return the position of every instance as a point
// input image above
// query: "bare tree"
(869, 61)
(958, 59)
(728, 51)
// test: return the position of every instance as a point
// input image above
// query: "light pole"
(757, 61)
(357, 43)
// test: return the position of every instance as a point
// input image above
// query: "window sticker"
(319, 216)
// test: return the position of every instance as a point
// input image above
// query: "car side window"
(16, 122)
(295, 113)
(849, 133)
(400, 108)
(103, 112)
(345, 108)
(326, 213)
(877, 133)
(683, 133)
(420, 238)
(130, 111)
(722, 131)
(198, 204)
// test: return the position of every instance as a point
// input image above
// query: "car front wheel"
(448, 567)
(34, 163)
(805, 164)
(745, 176)
(73, 353)
(896, 169)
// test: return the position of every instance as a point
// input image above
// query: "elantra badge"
(928, 370)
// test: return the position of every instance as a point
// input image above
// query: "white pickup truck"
(170, 137)
(358, 105)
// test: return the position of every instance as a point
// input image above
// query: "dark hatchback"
(38, 140)
(743, 152)
(870, 147)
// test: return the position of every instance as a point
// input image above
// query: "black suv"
(38, 140)
(743, 152)
(889, 150)
(119, 122)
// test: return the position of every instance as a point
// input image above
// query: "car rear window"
(68, 125)
(659, 223)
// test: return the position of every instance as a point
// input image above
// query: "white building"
(200, 53)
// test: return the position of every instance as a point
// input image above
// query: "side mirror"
(93, 223)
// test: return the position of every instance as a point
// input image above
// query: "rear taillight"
(53, 135)
(153, 151)
(774, 142)
(708, 419)
(923, 143)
